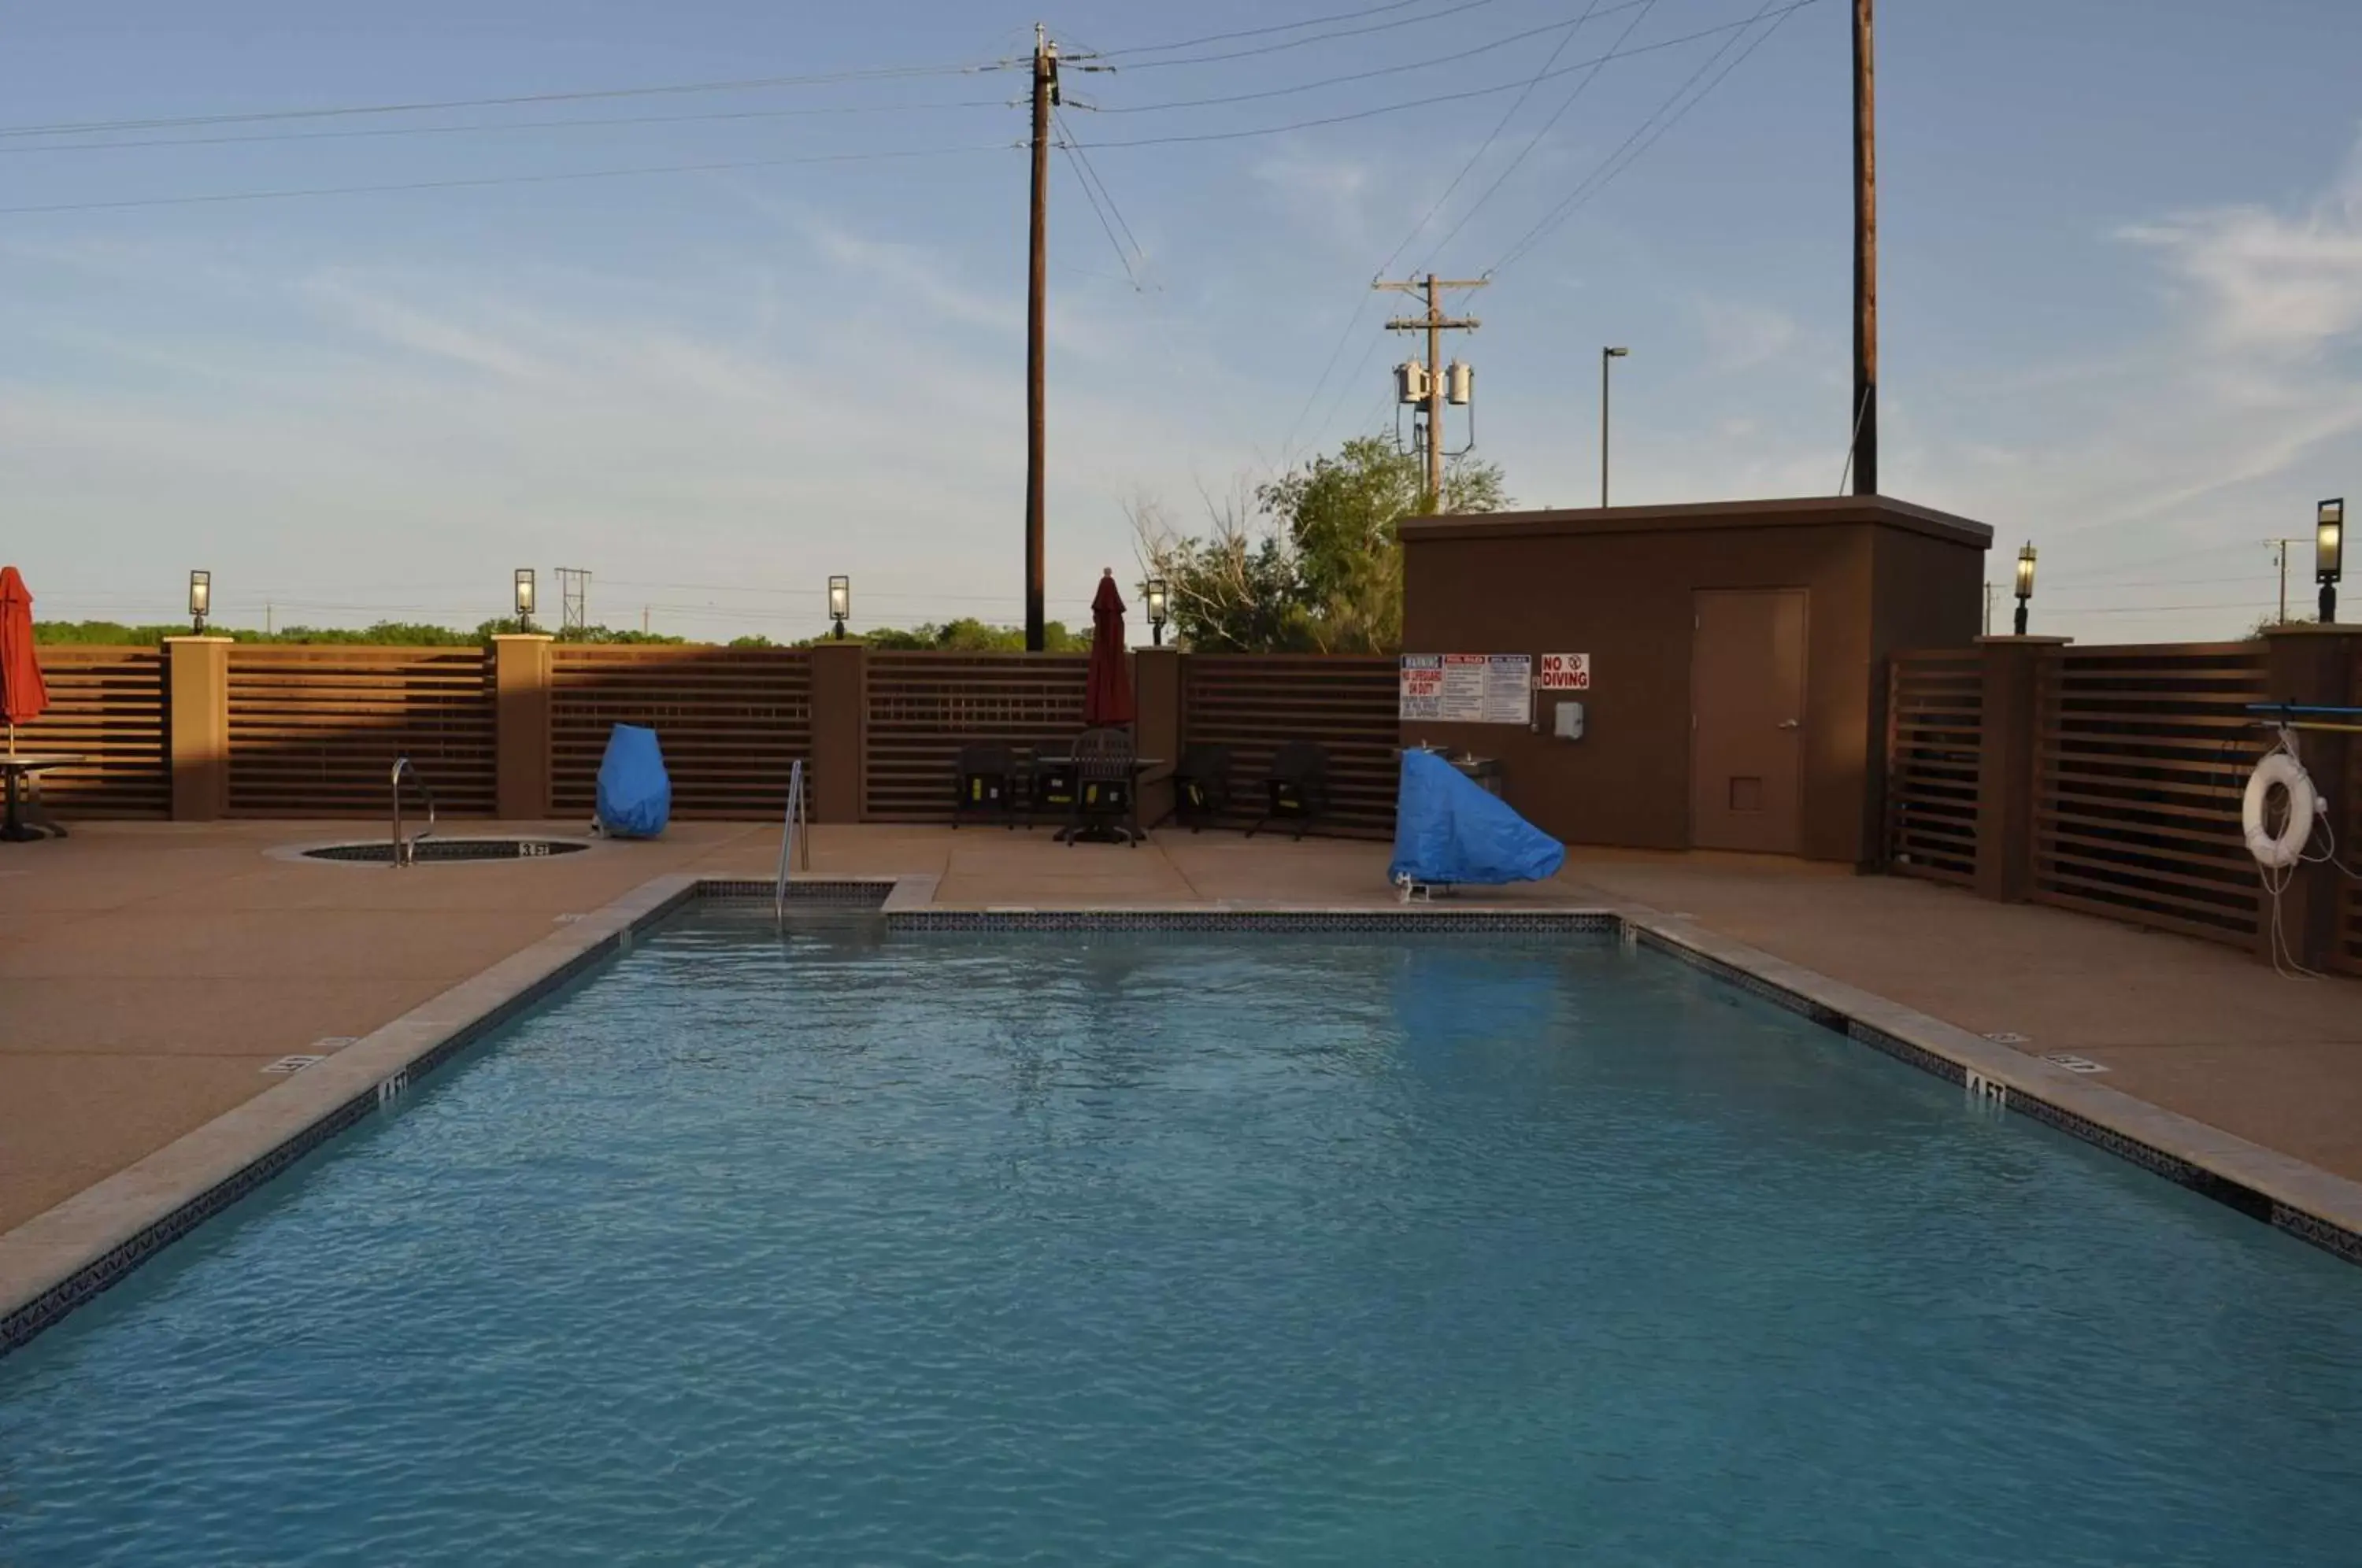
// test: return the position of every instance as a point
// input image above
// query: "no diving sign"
(1563, 672)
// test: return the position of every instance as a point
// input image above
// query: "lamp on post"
(524, 598)
(1604, 355)
(2025, 583)
(1158, 599)
(2329, 554)
(201, 597)
(840, 602)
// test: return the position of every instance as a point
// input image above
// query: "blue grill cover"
(1448, 829)
(635, 795)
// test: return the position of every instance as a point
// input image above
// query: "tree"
(1309, 562)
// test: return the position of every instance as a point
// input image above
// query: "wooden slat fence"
(2144, 754)
(731, 722)
(108, 706)
(924, 706)
(1934, 741)
(1252, 702)
(314, 731)
(2349, 842)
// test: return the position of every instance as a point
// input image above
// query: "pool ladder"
(405, 851)
(791, 840)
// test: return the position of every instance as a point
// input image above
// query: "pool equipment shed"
(1736, 659)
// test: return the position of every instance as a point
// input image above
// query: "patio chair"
(1201, 787)
(1297, 787)
(1107, 796)
(1049, 781)
(987, 785)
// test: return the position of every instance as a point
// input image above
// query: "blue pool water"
(1179, 1249)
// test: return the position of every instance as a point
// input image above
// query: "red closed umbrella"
(1106, 699)
(23, 695)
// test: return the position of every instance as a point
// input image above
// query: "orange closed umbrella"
(1107, 696)
(23, 695)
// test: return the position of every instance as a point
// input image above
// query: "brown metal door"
(1747, 707)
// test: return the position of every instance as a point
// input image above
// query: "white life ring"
(2280, 851)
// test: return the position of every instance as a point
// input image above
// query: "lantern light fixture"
(2329, 553)
(2025, 583)
(524, 598)
(1158, 598)
(201, 599)
(840, 602)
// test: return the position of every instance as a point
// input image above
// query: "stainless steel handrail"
(405, 851)
(788, 839)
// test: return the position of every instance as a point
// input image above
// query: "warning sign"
(1565, 672)
(1467, 689)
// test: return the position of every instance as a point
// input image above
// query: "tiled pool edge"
(71, 1254)
(68, 1253)
(2282, 1191)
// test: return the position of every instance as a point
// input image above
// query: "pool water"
(1154, 1248)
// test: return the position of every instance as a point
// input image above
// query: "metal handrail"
(788, 840)
(405, 851)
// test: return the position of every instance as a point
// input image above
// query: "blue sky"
(2122, 290)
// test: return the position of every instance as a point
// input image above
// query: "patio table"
(15, 768)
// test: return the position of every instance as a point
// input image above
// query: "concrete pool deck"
(149, 972)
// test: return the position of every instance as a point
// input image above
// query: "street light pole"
(1604, 356)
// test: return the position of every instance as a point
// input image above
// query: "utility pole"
(1988, 604)
(1435, 324)
(2279, 547)
(1865, 257)
(1045, 95)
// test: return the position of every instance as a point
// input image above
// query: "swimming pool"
(1087, 1248)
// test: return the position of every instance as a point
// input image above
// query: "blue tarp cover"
(635, 795)
(1449, 829)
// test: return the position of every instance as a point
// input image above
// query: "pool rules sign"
(1467, 689)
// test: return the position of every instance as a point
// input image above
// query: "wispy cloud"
(1740, 336)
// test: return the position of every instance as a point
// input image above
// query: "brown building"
(1737, 696)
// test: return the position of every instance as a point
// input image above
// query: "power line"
(1259, 32)
(744, 84)
(480, 181)
(1423, 63)
(1541, 131)
(1442, 97)
(379, 131)
(1491, 137)
(1609, 167)
(1299, 43)
(1091, 197)
(1353, 319)
(1091, 177)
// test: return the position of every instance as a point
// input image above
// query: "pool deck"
(149, 972)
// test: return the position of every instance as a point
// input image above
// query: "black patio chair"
(1049, 781)
(1297, 787)
(1107, 794)
(1201, 785)
(987, 785)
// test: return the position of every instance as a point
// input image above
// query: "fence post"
(521, 710)
(840, 730)
(2008, 762)
(2310, 664)
(1157, 687)
(198, 699)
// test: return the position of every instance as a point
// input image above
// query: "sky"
(714, 343)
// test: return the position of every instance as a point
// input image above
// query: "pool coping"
(69, 1254)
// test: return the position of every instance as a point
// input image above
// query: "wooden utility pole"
(2279, 547)
(1865, 256)
(1045, 95)
(1435, 324)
